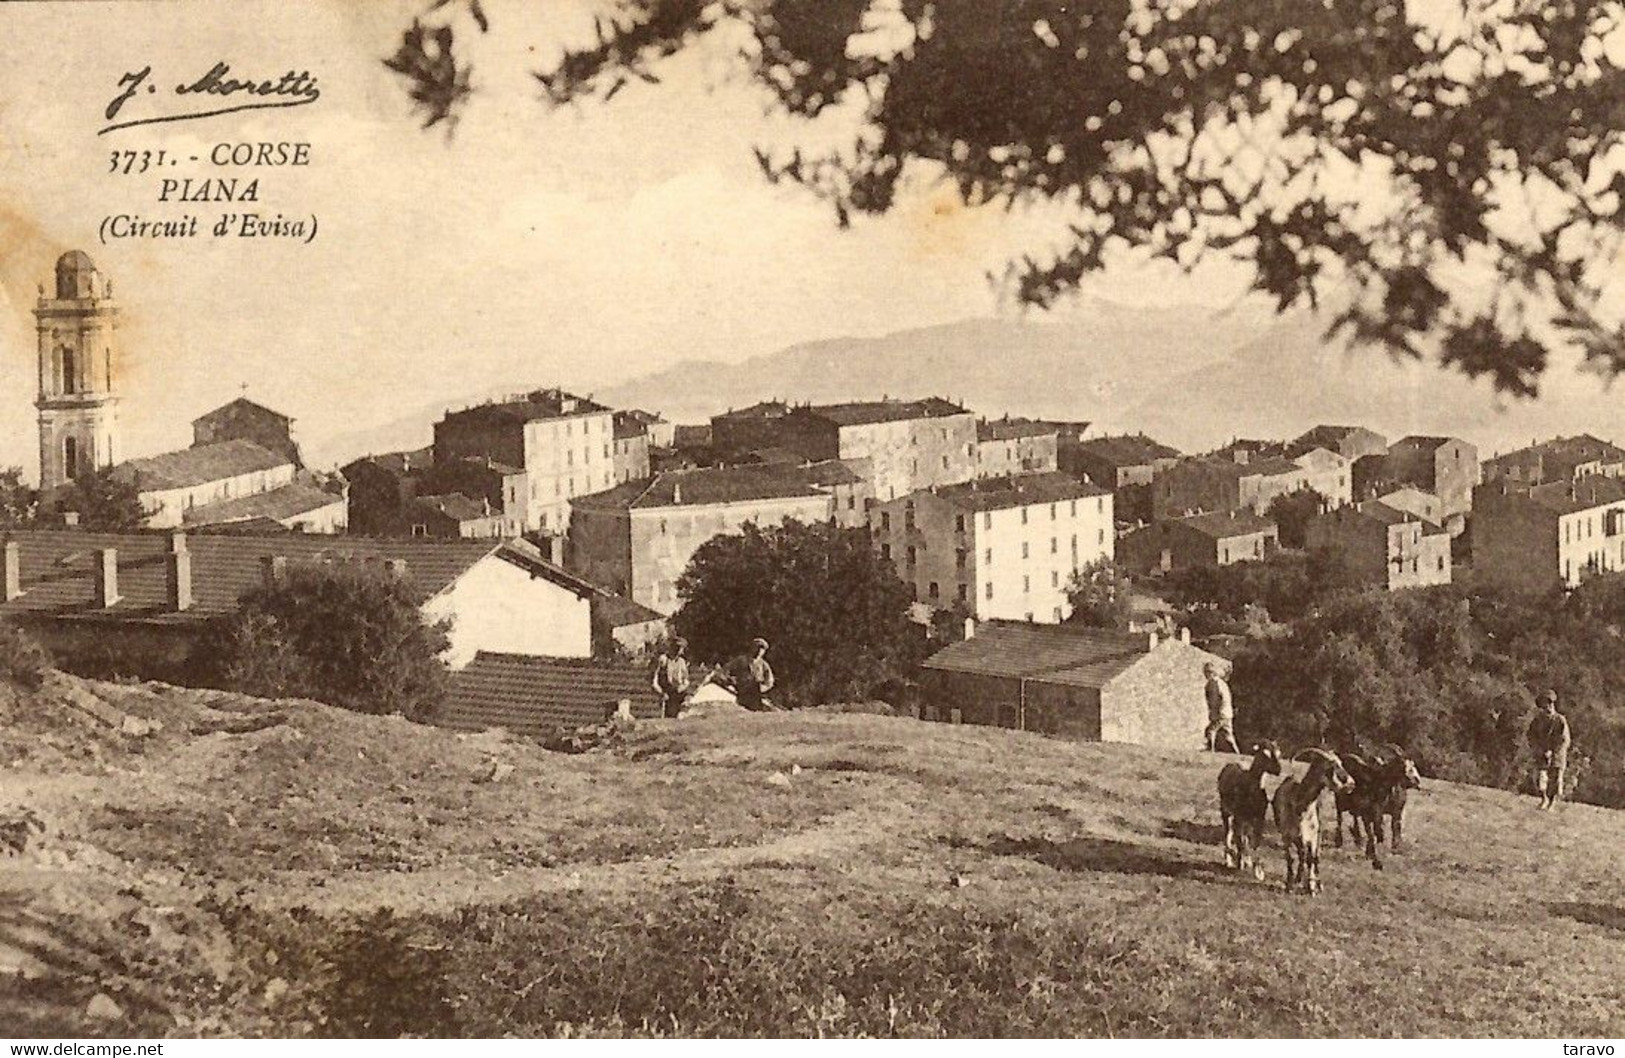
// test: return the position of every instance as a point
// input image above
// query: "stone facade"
(78, 353)
(1382, 546)
(1200, 540)
(244, 420)
(1445, 466)
(1548, 536)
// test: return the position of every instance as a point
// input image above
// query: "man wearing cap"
(1221, 712)
(671, 677)
(752, 677)
(1549, 738)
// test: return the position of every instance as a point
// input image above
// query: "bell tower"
(78, 350)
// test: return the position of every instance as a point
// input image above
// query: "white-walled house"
(997, 547)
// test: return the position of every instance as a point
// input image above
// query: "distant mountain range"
(1190, 376)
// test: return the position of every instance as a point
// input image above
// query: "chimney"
(970, 627)
(273, 569)
(1185, 635)
(395, 567)
(555, 549)
(106, 577)
(70, 518)
(1152, 639)
(14, 570)
(178, 574)
(677, 492)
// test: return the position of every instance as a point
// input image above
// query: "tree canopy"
(104, 502)
(833, 610)
(1446, 176)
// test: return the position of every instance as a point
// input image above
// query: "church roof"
(198, 465)
(246, 404)
(290, 501)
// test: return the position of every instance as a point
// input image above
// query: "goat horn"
(1393, 748)
(1305, 755)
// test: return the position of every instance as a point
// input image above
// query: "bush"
(349, 634)
(833, 610)
(23, 662)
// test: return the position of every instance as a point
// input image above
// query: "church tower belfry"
(78, 359)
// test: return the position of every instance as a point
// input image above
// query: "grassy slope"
(666, 886)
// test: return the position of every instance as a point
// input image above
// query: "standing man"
(1221, 713)
(671, 677)
(752, 677)
(1549, 738)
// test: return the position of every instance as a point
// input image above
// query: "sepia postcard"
(1030, 519)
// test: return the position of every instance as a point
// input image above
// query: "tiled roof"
(1061, 654)
(702, 485)
(58, 568)
(1017, 490)
(241, 402)
(626, 424)
(456, 506)
(289, 501)
(538, 404)
(862, 413)
(1127, 451)
(538, 696)
(1012, 429)
(766, 409)
(1423, 442)
(1581, 494)
(399, 463)
(1221, 525)
(197, 465)
(1269, 468)
(1581, 448)
(830, 472)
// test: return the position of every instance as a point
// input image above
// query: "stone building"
(1216, 539)
(1445, 466)
(996, 547)
(1350, 442)
(910, 444)
(562, 442)
(78, 347)
(1079, 683)
(636, 539)
(245, 420)
(1125, 465)
(1542, 537)
(1560, 459)
(630, 454)
(1207, 483)
(1015, 446)
(1382, 546)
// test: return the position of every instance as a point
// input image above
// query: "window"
(1026, 583)
(570, 458)
(988, 559)
(662, 526)
(959, 523)
(420, 529)
(1100, 505)
(908, 518)
(1100, 537)
(1441, 563)
(960, 558)
(1054, 545)
(945, 462)
(990, 589)
(851, 502)
(1024, 549)
(70, 457)
(1074, 508)
(1055, 578)
(885, 521)
(1052, 512)
(1074, 545)
(963, 593)
(885, 552)
(912, 556)
(1024, 516)
(987, 519)
(931, 589)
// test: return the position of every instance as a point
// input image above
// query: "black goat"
(1243, 804)
(1383, 778)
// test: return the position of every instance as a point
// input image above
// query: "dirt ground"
(169, 818)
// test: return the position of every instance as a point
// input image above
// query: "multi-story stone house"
(996, 547)
(1350, 442)
(1541, 537)
(1217, 539)
(1382, 546)
(1126, 465)
(1015, 446)
(910, 444)
(563, 443)
(1207, 484)
(1560, 459)
(636, 538)
(1445, 466)
(630, 450)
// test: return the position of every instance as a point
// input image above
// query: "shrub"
(23, 662)
(348, 634)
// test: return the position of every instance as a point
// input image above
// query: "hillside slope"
(214, 864)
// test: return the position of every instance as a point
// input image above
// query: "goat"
(1296, 807)
(1382, 781)
(1243, 805)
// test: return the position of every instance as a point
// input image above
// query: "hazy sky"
(538, 247)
